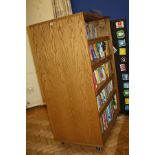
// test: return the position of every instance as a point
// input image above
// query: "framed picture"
(126, 92)
(125, 76)
(126, 100)
(125, 84)
(122, 51)
(120, 24)
(122, 67)
(121, 43)
(120, 34)
(123, 59)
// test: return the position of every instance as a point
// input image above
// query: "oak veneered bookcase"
(60, 49)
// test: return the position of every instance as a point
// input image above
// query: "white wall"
(36, 11)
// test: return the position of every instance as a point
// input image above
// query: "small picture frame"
(120, 24)
(125, 77)
(126, 100)
(122, 51)
(122, 67)
(120, 34)
(123, 59)
(125, 85)
(121, 43)
(126, 92)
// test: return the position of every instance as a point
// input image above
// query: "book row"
(98, 50)
(96, 29)
(103, 96)
(108, 114)
(101, 73)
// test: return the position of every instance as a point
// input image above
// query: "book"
(103, 72)
(108, 113)
(97, 76)
(100, 74)
(92, 52)
(94, 82)
(98, 101)
(112, 107)
(104, 116)
(104, 95)
(106, 69)
(96, 51)
(100, 49)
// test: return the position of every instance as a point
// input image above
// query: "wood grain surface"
(64, 70)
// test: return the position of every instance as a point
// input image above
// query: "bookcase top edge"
(87, 16)
(56, 19)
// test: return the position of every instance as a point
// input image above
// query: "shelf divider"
(99, 39)
(101, 86)
(96, 63)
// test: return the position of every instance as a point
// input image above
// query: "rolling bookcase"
(66, 74)
(120, 41)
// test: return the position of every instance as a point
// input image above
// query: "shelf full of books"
(120, 43)
(102, 72)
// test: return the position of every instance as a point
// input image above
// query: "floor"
(40, 141)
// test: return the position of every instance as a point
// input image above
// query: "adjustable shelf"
(99, 39)
(95, 64)
(103, 107)
(101, 86)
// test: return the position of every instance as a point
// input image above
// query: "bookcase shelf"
(95, 64)
(100, 39)
(103, 107)
(101, 86)
(65, 70)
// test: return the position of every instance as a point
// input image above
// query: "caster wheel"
(99, 149)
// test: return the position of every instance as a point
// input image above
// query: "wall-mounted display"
(120, 42)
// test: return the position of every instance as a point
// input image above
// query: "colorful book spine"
(97, 50)
(100, 49)
(97, 77)
(92, 52)
(102, 97)
(107, 115)
(104, 116)
(94, 82)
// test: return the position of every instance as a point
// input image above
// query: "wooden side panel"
(63, 66)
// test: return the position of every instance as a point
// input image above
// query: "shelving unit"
(65, 71)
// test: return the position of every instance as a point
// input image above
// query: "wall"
(36, 11)
(113, 8)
